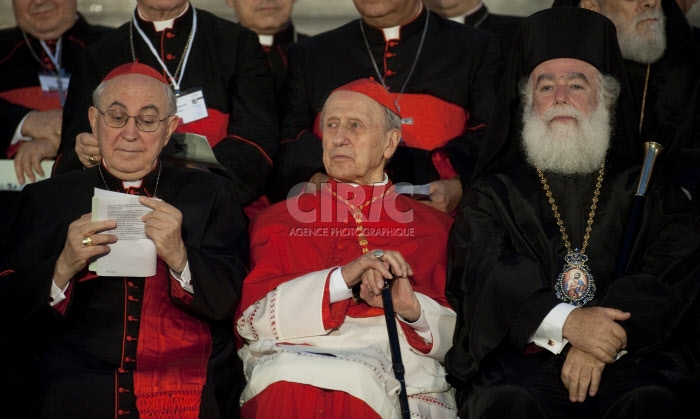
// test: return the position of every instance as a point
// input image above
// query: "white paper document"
(133, 254)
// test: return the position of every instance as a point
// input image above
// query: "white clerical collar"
(383, 182)
(392, 33)
(164, 24)
(266, 40)
(395, 31)
(461, 18)
(137, 183)
(132, 183)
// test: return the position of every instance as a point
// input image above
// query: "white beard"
(644, 44)
(566, 148)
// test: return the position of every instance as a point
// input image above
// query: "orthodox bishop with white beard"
(546, 324)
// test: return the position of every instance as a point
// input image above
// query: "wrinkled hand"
(595, 330)
(75, 254)
(371, 273)
(581, 374)
(316, 181)
(29, 156)
(44, 125)
(86, 147)
(164, 227)
(445, 194)
(403, 299)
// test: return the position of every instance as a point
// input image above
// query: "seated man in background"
(115, 346)
(551, 313)
(442, 75)
(216, 67)
(37, 58)
(272, 21)
(311, 320)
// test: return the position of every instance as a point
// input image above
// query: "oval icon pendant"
(575, 283)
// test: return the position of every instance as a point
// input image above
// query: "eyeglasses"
(144, 122)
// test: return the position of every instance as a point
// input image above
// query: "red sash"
(172, 355)
(32, 98)
(214, 126)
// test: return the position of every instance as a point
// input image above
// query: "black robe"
(458, 65)
(82, 362)
(507, 251)
(20, 91)
(226, 62)
(504, 26)
(672, 112)
(277, 52)
(20, 69)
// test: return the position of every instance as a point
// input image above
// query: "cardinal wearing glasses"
(116, 346)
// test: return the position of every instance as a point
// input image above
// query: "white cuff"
(337, 287)
(549, 334)
(421, 326)
(18, 132)
(185, 278)
(57, 294)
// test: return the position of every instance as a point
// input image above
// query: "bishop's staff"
(651, 151)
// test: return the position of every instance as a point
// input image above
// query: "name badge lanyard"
(56, 60)
(183, 63)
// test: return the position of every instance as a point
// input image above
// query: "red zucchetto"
(373, 90)
(135, 68)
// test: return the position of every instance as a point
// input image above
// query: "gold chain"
(644, 98)
(357, 214)
(591, 215)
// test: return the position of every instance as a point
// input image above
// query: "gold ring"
(58, 132)
(92, 160)
(87, 241)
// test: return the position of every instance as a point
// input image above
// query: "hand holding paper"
(164, 226)
(75, 254)
(133, 254)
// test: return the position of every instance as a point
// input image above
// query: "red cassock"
(305, 356)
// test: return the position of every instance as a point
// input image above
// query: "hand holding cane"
(394, 346)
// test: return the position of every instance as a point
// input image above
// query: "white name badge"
(54, 82)
(191, 106)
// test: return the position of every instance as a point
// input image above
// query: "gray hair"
(393, 121)
(167, 92)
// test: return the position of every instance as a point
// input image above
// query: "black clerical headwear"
(561, 32)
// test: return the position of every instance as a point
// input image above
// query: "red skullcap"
(135, 68)
(373, 90)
